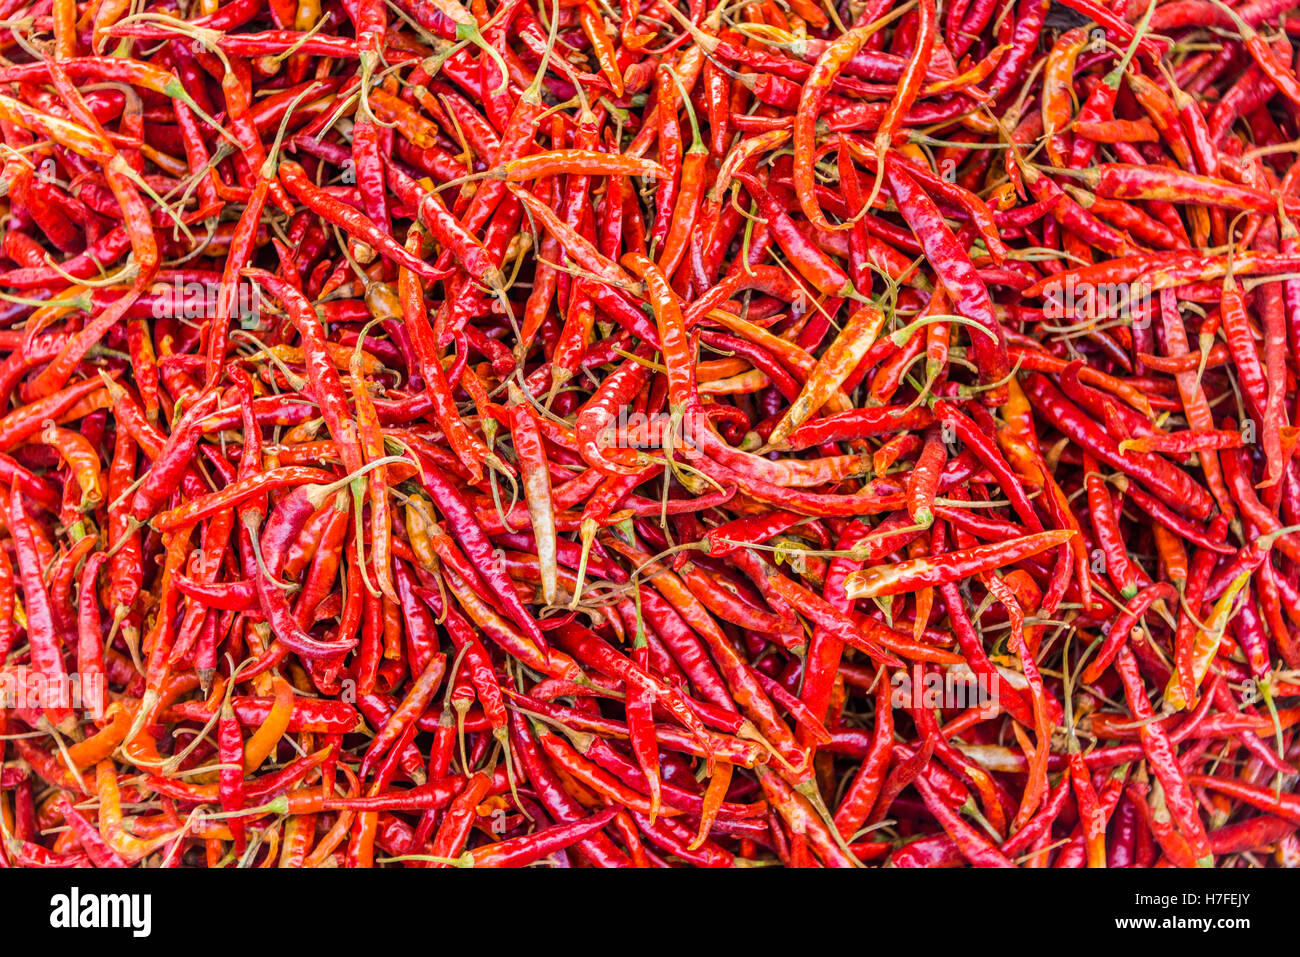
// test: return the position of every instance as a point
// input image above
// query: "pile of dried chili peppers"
(555, 432)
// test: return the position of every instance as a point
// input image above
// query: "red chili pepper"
(606, 393)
